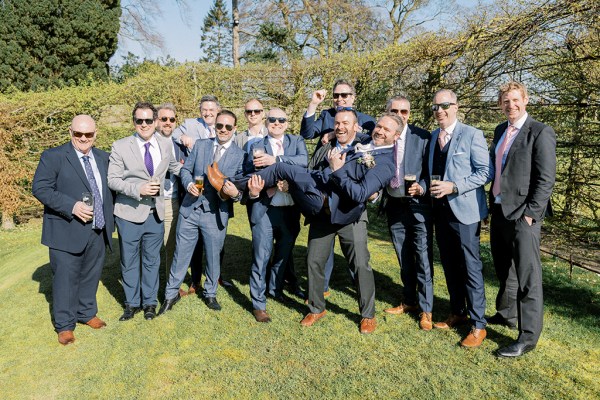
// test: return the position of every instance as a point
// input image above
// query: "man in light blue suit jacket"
(458, 153)
(205, 212)
(274, 217)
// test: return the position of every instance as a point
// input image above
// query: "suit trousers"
(412, 239)
(145, 239)
(204, 224)
(353, 241)
(282, 225)
(170, 221)
(516, 253)
(459, 253)
(75, 282)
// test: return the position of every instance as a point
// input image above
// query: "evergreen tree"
(216, 40)
(49, 43)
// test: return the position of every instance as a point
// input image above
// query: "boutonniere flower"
(368, 160)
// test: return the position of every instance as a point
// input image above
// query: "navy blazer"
(529, 171)
(309, 128)
(415, 162)
(294, 153)
(351, 186)
(58, 184)
(201, 157)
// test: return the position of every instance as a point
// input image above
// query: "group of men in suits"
(424, 182)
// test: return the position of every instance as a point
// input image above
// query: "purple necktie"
(148, 159)
(395, 182)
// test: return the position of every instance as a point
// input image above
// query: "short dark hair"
(344, 82)
(350, 110)
(144, 105)
(209, 98)
(399, 97)
(230, 113)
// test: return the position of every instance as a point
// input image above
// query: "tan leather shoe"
(367, 325)
(66, 337)
(474, 338)
(425, 323)
(401, 309)
(452, 321)
(182, 292)
(215, 177)
(96, 323)
(311, 318)
(261, 316)
(193, 288)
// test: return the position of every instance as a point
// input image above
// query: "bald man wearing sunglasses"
(70, 181)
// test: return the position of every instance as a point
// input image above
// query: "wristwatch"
(454, 188)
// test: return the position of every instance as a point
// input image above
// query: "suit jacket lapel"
(523, 132)
(432, 144)
(137, 155)
(74, 161)
(456, 136)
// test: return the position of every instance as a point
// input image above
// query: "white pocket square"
(458, 153)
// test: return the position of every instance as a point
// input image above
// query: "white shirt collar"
(520, 121)
(450, 130)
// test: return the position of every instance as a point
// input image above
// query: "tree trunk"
(235, 33)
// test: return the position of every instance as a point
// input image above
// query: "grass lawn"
(193, 351)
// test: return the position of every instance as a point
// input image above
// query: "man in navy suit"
(205, 211)
(344, 95)
(137, 170)
(193, 129)
(524, 155)
(335, 202)
(409, 217)
(458, 154)
(274, 217)
(76, 234)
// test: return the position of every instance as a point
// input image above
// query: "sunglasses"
(342, 95)
(165, 119)
(281, 120)
(140, 121)
(250, 112)
(396, 111)
(88, 135)
(443, 106)
(344, 108)
(220, 126)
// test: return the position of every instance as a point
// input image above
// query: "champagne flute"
(199, 182)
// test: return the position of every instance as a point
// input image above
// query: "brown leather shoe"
(367, 325)
(66, 337)
(96, 323)
(193, 288)
(182, 292)
(311, 318)
(401, 309)
(474, 338)
(215, 177)
(452, 321)
(425, 323)
(261, 316)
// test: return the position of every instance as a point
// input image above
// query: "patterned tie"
(98, 207)
(443, 138)
(395, 182)
(510, 132)
(148, 159)
(218, 153)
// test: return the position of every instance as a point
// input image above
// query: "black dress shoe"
(298, 293)
(212, 303)
(129, 313)
(516, 349)
(149, 312)
(168, 304)
(498, 319)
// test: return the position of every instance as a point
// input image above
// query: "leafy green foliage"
(51, 43)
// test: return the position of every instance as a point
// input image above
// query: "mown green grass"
(193, 351)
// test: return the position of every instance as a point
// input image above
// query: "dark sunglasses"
(344, 108)
(396, 111)
(342, 95)
(250, 112)
(443, 106)
(140, 121)
(165, 119)
(88, 135)
(281, 120)
(220, 126)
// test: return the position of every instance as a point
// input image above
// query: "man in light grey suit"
(136, 172)
(193, 129)
(458, 154)
(204, 211)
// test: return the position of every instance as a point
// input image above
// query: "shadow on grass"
(43, 275)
